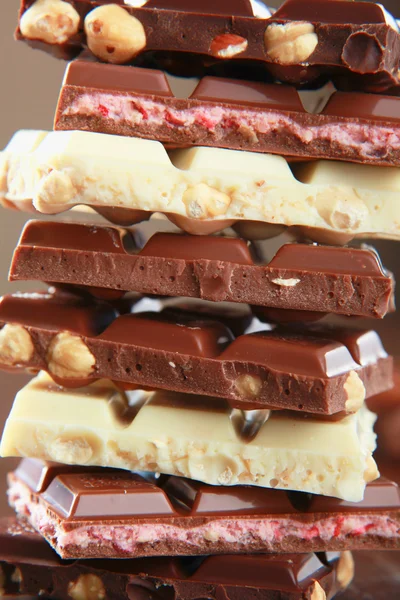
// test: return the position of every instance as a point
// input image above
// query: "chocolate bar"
(324, 371)
(203, 190)
(89, 513)
(387, 405)
(30, 566)
(228, 113)
(299, 277)
(302, 42)
(165, 432)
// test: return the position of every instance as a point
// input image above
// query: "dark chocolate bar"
(93, 513)
(300, 277)
(321, 372)
(355, 44)
(229, 113)
(31, 567)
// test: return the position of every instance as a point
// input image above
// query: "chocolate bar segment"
(338, 43)
(86, 513)
(201, 190)
(31, 567)
(179, 351)
(195, 437)
(299, 277)
(228, 113)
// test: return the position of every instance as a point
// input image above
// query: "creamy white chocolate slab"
(206, 185)
(15, 159)
(95, 426)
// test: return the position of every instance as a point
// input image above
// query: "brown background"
(30, 82)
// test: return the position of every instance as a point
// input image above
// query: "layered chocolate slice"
(30, 566)
(228, 113)
(89, 513)
(299, 277)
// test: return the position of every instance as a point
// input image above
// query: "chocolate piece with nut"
(305, 41)
(29, 566)
(86, 512)
(300, 277)
(319, 371)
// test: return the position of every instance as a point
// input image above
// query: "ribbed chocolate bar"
(31, 567)
(227, 113)
(304, 41)
(322, 372)
(93, 513)
(299, 277)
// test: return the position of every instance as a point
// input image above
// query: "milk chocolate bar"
(202, 190)
(324, 371)
(299, 277)
(303, 42)
(228, 113)
(165, 432)
(30, 566)
(89, 513)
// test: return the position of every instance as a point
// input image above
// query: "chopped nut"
(16, 577)
(69, 357)
(248, 385)
(51, 21)
(290, 43)
(203, 201)
(113, 35)
(341, 211)
(56, 187)
(345, 569)
(355, 391)
(317, 592)
(228, 45)
(72, 450)
(16, 346)
(371, 471)
(87, 587)
(286, 282)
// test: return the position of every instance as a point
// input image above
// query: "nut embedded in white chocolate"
(89, 426)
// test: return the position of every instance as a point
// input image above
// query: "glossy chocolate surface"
(186, 38)
(95, 500)
(299, 277)
(258, 116)
(179, 351)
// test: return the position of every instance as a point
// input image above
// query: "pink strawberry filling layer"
(128, 537)
(370, 140)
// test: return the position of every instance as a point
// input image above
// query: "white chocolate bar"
(15, 160)
(206, 185)
(96, 426)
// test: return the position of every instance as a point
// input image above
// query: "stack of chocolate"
(198, 405)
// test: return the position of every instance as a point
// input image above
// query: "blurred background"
(30, 83)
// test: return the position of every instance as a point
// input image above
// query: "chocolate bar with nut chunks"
(321, 371)
(303, 42)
